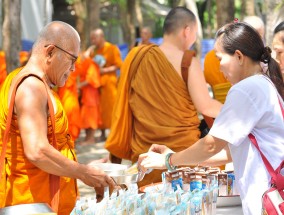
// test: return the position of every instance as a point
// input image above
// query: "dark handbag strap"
(269, 168)
(185, 64)
(54, 180)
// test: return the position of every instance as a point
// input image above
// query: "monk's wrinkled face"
(229, 64)
(63, 63)
(278, 47)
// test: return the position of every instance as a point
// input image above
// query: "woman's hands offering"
(154, 158)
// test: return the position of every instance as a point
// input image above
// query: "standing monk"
(90, 109)
(40, 164)
(3, 72)
(108, 89)
(154, 104)
(68, 95)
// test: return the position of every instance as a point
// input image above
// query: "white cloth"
(252, 107)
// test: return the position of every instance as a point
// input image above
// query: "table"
(234, 210)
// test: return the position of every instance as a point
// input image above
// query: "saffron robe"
(69, 97)
(90, 104)
(108, 88)
(24, 56)
(153, 106)
(22, 182)
(214, 77)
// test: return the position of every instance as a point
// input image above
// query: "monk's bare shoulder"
(174, 56)
(31, 93)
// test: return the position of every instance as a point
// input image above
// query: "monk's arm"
(204, 149)
(82, 84)
(31, 109)
(108, 69)
(199, 93)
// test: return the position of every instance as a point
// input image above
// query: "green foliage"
(70, 1)
(158, 32)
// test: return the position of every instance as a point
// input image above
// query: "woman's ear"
(240, 56)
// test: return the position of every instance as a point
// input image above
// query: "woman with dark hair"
(253, 105)
(278, 45)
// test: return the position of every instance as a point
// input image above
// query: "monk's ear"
(186, 31)
(49, 51)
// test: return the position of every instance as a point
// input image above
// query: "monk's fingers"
(110, 181)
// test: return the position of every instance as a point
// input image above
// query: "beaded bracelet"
(169, 166)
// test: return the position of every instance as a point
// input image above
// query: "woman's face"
(278, 47)
(229, 64)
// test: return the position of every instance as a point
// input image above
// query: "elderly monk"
(68, 95)
(154, 104)
(40, 164)
(90, 109)
(113, 61)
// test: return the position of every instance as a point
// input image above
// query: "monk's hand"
(153, 160)
(161, 149)
(100, 191)
(95, 177)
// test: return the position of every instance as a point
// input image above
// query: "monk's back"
(162, 107)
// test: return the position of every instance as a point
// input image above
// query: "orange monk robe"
(90, 109)
(108, 89)
(153, 106)
(3, 72)
(23, 58)
(215, 77)
(22, 182)
(68, 95)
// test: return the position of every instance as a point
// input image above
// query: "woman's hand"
(152, 160)
(161, 149)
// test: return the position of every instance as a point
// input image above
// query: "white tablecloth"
(235, 210)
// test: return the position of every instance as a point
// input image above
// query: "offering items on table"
(183, 191)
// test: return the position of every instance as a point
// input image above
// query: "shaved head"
(257, 23)
(98, 32)
(178, 18)
(59, 33)
(97, 37)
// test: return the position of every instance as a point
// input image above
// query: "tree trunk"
(131, 20)
(81, 14)
(124, 25)
(139, 15)
(93, 18)
(191, 5)
(12, 33)
(250, 11)
(225, 12)
(274, 15)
